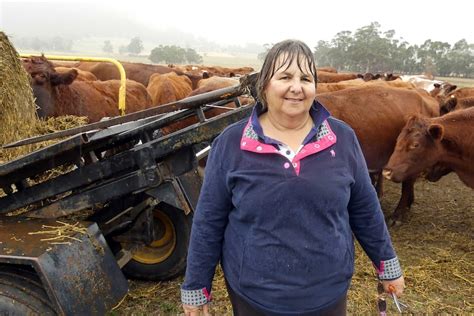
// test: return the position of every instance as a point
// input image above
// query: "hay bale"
(18, 117)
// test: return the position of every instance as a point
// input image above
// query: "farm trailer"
(134, 192)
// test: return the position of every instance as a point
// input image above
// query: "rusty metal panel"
(78, 271)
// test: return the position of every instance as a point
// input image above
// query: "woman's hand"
(191, 310)
(394, 286)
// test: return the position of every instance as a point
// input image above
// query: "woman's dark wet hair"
(290, 49)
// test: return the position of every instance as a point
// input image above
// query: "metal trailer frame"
(119, 174)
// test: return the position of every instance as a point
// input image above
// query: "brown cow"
(208, 85)
(215, 83)
(219, 71)
(346, 84)
(454, 103)
(328, 69)
(60, 94)
(335, 77)
(166, 88)
(424, 143)
(134, 71)
(377, 114)
(82, 75)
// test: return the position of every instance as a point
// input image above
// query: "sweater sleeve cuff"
(389, 269)
(195, 297)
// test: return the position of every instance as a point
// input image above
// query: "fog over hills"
(79, 21)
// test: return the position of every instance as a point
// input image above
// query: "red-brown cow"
(208, 85)
(60, 94)
(219, 71)
(454, 103)
(424, 143)
(377, 114)
(346, 84)
(134, 71)
(82, 75)
(328, 69)
(166, 88)
(327, 77)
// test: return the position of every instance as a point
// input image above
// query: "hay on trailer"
(17, 108)
(18, 118)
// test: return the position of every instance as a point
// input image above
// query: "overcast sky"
(269, 21)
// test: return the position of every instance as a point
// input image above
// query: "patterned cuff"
(389, 269)
(195, 297)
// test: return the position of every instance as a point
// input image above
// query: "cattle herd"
(407, 125)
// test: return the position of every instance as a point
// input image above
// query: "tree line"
(163, 53)
(369, 49)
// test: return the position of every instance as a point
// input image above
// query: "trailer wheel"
(22, 294)
(165, 258)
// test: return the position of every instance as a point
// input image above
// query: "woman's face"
(290, 91)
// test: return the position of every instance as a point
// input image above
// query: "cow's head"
(447, 105)
(418, 148)
(44, 80)
(390, 77)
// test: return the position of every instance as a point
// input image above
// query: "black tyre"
(165, 258)
(21, 293)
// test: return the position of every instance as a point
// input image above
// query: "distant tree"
(262, 55)
(122, 49)
(192, 56)
(461, 59)
(171, 55)
(108, 48)
(135, 46)
(38, 44)
(322, 55)
(59, 44)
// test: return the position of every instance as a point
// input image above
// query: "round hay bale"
(18, 117)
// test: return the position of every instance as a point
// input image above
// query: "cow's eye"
(414, 145)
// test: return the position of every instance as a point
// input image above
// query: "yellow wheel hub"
(160, 249)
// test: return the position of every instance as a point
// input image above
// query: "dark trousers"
(240, 307)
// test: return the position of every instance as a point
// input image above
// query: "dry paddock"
(435, 246)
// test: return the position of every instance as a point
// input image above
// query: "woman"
(283, 193)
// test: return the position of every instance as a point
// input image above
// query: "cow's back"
(166, 88)
(133, 71)
(137, 97)
(98, 99)
(82, 98)
(377, 115)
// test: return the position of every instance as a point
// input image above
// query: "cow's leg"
(377, 182)
(406, 200)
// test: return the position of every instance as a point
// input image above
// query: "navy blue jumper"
(283, 230)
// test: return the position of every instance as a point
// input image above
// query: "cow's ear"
(63, 78)
(436, 131)
(436, 85)
(451, 88)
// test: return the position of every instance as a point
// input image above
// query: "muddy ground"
(435, 246)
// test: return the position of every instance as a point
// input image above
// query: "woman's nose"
(296, 86)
